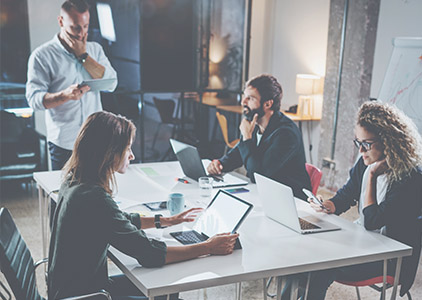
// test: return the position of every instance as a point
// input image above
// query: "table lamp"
(307, 86)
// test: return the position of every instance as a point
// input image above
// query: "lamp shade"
(307, 84)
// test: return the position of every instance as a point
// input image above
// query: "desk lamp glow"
(307, 86)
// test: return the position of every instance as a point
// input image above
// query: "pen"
(182, 180)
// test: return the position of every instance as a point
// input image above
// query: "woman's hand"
(221, 244)
(379, 168)
(328, 205)
(186, 216)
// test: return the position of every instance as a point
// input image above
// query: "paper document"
(99, 84)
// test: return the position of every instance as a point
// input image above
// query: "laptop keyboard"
(188, 237)
(305, 225)
(217, 178)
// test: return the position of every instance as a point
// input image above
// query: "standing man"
(55, 70)
(271, 144)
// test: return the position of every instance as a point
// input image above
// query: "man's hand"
(75, 92)
(186, 216)
(222, 244)
(215, 167)
(247, 127)
(77, 46)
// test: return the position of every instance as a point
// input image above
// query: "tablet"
(99, 84)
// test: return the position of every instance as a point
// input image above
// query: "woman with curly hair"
(386, 182)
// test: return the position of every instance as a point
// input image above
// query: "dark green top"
(86, 221)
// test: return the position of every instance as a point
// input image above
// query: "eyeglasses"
(366, 146)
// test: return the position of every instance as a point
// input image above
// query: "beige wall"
(288, 38)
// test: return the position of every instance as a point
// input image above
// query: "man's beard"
(250, 113)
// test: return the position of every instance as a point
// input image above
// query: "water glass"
(205, 186)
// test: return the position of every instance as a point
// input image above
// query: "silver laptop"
(192, 166)
(279, 205)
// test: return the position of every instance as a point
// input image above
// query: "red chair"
(315, 174)
(372, 282)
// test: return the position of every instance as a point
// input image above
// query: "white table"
(269, 249)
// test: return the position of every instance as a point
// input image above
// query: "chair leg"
(266, 287)
(357, 292)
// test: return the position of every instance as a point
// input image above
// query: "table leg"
(396, 278)
(384, 280)
(307, 285)
(279, 287)
(42, 200)
(238, 290)
(264, 282)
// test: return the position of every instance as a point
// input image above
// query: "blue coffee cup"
(176, 203)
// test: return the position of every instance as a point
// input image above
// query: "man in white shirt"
(55, 70)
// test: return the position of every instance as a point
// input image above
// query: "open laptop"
(225, 213)
(279, 205)
(192, 166)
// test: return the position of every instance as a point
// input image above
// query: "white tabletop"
(269, 248)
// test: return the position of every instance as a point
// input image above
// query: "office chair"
(315, 175)
(224, 130)
(166, 109)
(23, 150)
(18, 267)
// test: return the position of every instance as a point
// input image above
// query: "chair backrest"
(165, 108)
(315, 175)
(223, 125)
(16, 260)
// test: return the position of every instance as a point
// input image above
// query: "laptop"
(225, 213)
(191, 163)
(279, 205)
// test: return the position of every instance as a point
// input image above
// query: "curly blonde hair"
(398, 134)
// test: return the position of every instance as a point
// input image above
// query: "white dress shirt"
(51, 68)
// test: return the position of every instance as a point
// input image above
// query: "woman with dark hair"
(386, 183)
(87, 219)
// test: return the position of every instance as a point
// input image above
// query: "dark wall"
(14, 45)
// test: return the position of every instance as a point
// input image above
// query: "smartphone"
(314, 198)
(237, 190)
(159, 205)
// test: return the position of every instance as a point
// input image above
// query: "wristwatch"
(157, 221)
(82, 58)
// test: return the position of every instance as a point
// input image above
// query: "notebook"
(192, 166)
(279, 205)
(225, 213)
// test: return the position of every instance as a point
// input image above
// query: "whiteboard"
(402, 83)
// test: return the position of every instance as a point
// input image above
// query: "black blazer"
(280, 155)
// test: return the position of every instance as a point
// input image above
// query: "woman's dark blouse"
(86, 221)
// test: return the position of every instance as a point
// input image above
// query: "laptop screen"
(225, 213)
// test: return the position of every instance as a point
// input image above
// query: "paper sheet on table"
(158, 170)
